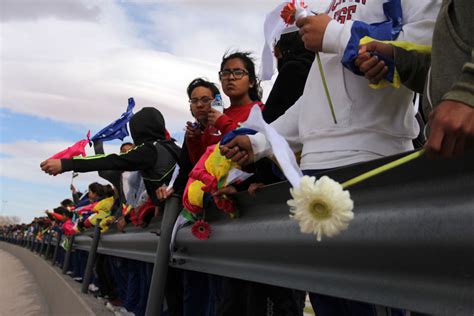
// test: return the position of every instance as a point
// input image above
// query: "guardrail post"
(42, 244)
(91, 258)
(32, 245)
(58, 244)
(36, 245)
(156, 293)
(67, 258)
(48, 245)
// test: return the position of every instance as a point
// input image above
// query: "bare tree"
(9, 220)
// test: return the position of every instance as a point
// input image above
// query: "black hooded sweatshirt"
(147, 128)
(293, 70)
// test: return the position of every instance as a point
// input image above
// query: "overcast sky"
(68, 66)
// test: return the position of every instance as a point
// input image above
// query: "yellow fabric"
(218, 165)
(195, 193)
(105, 223)
(424, 49)
(128, 209)
(103, 209)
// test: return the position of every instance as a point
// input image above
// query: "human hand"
(239, 150)
(312, 29)
(223, 192)
(451, 126)
(51, 166)
(212, 116)
(108, 221)
(192, 130)
(373, 68)
(254, 187)
(162, 193)
(121, 223)
(73, 188)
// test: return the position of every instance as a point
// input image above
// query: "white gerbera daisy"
(322, 207)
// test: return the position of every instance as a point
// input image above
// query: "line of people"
(372, 122)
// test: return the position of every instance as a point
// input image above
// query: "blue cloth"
(195, 293)
(215, 293)
(146, 271)
(61, 256)
(118, 128)
(236, 132)
(384, 31)
(79, 261)
(118, 267)
(83, 201)
(133, 286)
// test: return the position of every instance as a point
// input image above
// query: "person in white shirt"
(371, 123)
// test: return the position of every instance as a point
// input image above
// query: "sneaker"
(93, 287)
(111, 307)
(77, 279)
(69, 272)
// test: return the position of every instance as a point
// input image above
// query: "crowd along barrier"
(409, 246)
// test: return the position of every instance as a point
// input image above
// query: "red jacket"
(231, 119)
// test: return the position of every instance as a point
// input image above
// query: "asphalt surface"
(19, 291)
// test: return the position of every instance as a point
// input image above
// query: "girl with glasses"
(240, 83)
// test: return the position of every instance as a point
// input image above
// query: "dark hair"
(102, 191)
(96, 188)
(255, 92)
(66, 203)
(291, 46)
(125, 144)
(108, 190)
(199, 82)
(63, 211)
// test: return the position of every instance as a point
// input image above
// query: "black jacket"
(288, 86)
(148, 129)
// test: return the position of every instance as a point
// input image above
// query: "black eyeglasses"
(203, 100)
(237, 73)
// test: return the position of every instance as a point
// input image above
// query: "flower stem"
(381, 169)
(325, 85)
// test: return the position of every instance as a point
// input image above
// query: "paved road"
(19, 293)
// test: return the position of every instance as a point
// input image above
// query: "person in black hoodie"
(294, 63)
(154, 156)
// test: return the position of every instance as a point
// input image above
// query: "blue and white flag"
(117, 129)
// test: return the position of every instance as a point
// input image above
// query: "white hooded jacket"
(370, 122)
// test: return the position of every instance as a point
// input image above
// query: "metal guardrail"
(83, 241)
(410, 245)
(136, 243)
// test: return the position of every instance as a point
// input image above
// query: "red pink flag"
(78, 149)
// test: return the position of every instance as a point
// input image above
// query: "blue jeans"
(79, 261)
(195, 293)
(118, 267)
(145, 273)
(133, 286)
